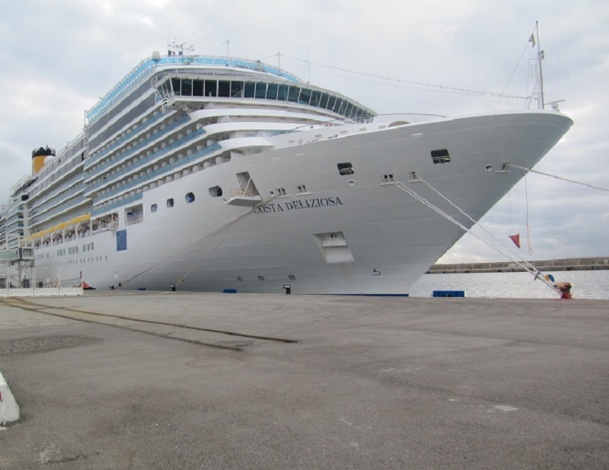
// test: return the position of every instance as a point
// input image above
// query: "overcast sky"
(59, 56)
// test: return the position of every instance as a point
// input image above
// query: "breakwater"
(570, 264)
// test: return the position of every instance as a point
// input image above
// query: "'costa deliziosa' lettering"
(298, 205)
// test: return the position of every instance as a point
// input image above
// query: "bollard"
(173, 288)
(288, 289)
(565, 289)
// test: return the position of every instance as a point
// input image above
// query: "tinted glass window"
(271, 93)
(186, 87)
(236, 89)
(224, 89)
(210, 87)
(261, 90)
(197, 88)
(282, 93)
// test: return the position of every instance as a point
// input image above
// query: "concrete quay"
(569, 264)
(217, 381)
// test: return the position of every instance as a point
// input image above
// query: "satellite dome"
(156, 56)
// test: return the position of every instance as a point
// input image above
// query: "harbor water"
(586, 285)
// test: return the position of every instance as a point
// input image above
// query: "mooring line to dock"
(39, 308)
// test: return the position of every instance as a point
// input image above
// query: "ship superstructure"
(212, 173)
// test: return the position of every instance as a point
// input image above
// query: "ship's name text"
(297, 205)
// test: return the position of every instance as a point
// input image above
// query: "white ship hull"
(385, 239)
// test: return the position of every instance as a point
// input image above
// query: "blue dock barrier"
(448, 293)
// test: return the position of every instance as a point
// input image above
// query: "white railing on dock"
(41, 291)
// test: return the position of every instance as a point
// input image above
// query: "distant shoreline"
(571, 264)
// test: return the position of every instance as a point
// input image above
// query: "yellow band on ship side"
(61, 226)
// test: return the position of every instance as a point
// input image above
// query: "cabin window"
(349, 110)
(324, 100)
(175, 83)
(282, 93)
(153, 207)
(215, 191)
(190, 197)
(345, 169)
(186, 87)
(261, 90)
(197, 88)
(293, 94)
(224, 89)
(440, 156)
(170, 202)
(271, 93)
(250, 89)
(340, 106)
(210, 87)
(236, 89)
(305, 96)
(134, 214)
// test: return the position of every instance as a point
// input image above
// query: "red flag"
(515, 239)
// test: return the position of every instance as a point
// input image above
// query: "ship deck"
(186, 380)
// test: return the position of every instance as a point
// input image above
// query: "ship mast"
(540, 57)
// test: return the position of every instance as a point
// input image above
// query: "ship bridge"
(147, 66)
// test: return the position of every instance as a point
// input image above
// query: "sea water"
(585, 285)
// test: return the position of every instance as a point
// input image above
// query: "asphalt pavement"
(236, 381)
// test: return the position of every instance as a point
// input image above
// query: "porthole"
(215, 191)
(153, 208)
(190, 197)
(170, 202)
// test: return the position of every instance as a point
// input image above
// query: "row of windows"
(215, 191)
(74, 249)
(267, 91)
(95, 259)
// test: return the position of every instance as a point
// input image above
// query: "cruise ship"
(221, 174)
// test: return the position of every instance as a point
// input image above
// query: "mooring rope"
(528, 267)
(557, 177)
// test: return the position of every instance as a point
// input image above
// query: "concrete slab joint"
(9, 409)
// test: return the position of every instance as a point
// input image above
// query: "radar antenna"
(173, 48)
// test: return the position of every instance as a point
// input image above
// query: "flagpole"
(539, 59)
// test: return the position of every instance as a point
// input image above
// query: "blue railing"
(66, 206)
(57, 199)
(161, 171)
(123, 139)
(137, 147)
(150, 158)
(114, 205)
